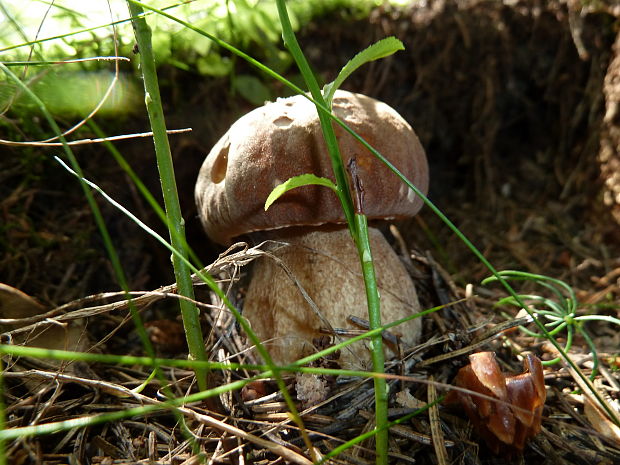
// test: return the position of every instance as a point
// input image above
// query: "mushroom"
(508, 424)
(283, 139)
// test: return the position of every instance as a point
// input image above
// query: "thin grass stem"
(592, 346)
(358, 227)
(376, 342)
(606, 318)
(146, 194)
(175, 221)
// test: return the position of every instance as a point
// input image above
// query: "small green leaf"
(383, 48)
(297, 181)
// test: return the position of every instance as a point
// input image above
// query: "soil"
(516, 104)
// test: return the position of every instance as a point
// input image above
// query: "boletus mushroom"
(283, 139)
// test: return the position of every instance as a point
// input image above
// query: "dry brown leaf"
(15, 305)
(601, 422)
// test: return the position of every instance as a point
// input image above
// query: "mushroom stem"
(326, 265)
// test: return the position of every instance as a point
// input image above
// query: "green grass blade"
(381, 49)
(606, 318)
(175, 221)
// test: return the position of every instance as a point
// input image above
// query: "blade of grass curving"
(89, 357)
(126, 167)
(34, 352)
(550, 283)
(606, 318)
(557, 329)
(358, 227)
(53, 427)
(562, 312)
(152, 201)
(175, 221)
(370, 333)
(171, 404)
(595, 360)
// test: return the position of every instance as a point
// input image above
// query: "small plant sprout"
(282, 141)
(559, 314)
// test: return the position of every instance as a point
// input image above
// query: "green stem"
(358, 227)
(376, 343)
(595, 360)
(176, 224)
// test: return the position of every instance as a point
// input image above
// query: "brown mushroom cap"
(283, 139)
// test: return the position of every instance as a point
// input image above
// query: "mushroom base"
(326, 265)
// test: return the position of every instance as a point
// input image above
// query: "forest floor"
(512, 103)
